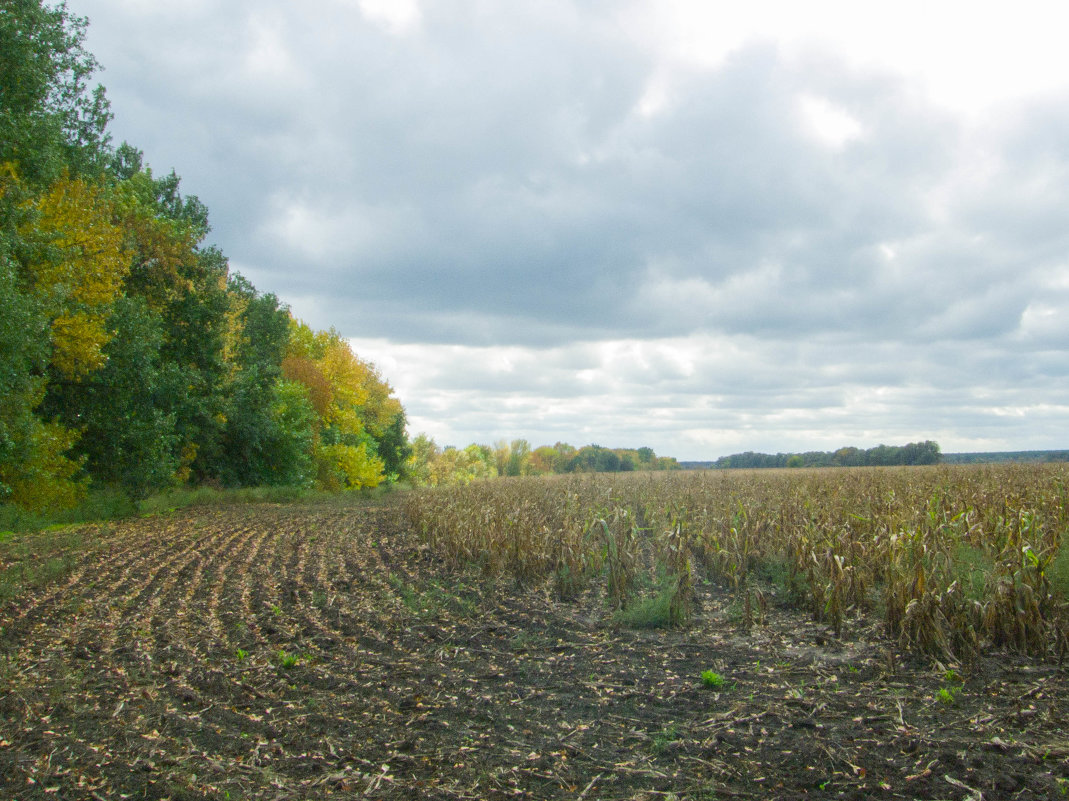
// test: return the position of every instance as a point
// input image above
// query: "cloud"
(495, 165)
(688, 395)
(610, 219)
(398, 16)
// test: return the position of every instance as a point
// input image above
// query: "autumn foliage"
(130, 354)
(77, 265)
(355, 409)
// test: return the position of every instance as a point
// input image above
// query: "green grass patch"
(101, 504)
(774, 573)
(652, 611)
(409, 597)
(662, 740)
(186, 497)
(111, 503)
(436, 598)
(183, 498)
(1057, 573)
(971, 567)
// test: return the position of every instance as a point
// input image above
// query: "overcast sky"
(690, 225)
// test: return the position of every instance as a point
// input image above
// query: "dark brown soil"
(158, 669)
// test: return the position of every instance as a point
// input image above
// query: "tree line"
(130, 354)
(914, 453)
(431, 465)
(1001, 457)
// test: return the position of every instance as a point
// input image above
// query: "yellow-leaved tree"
(47, 478)
(60, 288)
(76, 265)
(356, 407)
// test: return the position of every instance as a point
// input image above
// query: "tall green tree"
(392, 446)
(22, 358)
(185, 283)
(50, 122)
(125, 410)
(266, 421)
(50, 119)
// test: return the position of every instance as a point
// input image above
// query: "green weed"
(662, 739)
(947, 695)
(712, 679)
(409, 597)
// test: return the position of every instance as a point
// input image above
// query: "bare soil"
(322, 652)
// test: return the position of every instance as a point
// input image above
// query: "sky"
(700, 227)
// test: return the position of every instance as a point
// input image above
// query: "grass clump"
(658, 610)
(287, 660)
(947, 695)
(650, 612)
(712, 679)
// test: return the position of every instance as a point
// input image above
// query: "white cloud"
(328, 235)
(829, 123)
(399, 16)
(704, 228)
(704, 396)
(960, 55)
(1047, 323)
(268, 57)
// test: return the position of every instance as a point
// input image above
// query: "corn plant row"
(952, 558)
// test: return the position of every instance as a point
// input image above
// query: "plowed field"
(322, 652)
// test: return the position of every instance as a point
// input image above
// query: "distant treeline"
(882, 455)
(431, 465)
(995, 457)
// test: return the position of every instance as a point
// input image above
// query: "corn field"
(952, 559)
